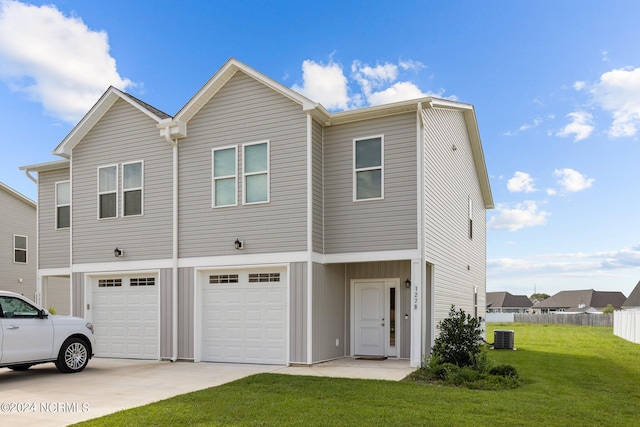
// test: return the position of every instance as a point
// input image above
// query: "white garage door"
(244, 317)
(125, 316)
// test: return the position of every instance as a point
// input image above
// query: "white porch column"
(417, 310)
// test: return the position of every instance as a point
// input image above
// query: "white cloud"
(572, 181)
(581, 126)
(579, 85)
(56, 60)
(618, 92)
(325, 84)
(522, 215)
(521, 182)
(536, 122)
(379, 84)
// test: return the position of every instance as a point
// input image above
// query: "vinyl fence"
(581, 319)
(626, 324)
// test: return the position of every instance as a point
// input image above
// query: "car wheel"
(19, 367)
(73, 356)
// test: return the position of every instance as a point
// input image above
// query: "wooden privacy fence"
(581, 319)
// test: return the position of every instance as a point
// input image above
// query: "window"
(132, 174)
(16, 308)
(470, 218)
(225, 165)
(215, 279)
(142, 281)
(63, 204)
(256, 172)
(19, 249)
(109, 283)
(107, 191)
(264, 277)
(368, 172)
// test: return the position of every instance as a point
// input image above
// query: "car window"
(17, 308)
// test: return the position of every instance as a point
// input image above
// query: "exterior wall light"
(118, 252)
(407, 283)
(239, 244)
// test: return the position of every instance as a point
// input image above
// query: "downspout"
(174, 274)
(26, 172)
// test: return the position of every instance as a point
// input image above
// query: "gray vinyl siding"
(185, 313)
(166, 313)
(244, 111)
(18, 218)
(123, 135)
(375, 225)
(450, 180)
(385, 270)
(318, 189)
(77, 295)
(329, 311)
(57, 294)
(54, 243)
(298, 312)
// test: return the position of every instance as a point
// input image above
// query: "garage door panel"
(125, 317)
(244, 322)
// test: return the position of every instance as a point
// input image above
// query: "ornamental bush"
(460, 339)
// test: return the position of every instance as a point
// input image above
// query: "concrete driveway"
(42, 396)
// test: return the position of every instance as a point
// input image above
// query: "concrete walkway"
(44, 397)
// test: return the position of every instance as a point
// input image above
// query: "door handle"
(13, 327)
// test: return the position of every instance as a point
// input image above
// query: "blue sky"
(555, 84)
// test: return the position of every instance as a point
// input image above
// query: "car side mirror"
(42, 314)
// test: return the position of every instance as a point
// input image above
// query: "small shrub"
(506, 371)
(460, 338)
(52, 310)
(481, 363)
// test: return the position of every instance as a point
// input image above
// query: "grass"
(573, 375)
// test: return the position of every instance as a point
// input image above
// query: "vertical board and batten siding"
(54, 243)
(244, 111)
(329, 311)
(298, 312)
(450, 180)
(123, 135)
(318, 188)
(186, 304)
(18, 218)
(371, 225)
(385, 270)
(166, 313)
(77, 295)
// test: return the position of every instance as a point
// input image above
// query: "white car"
(30, 335)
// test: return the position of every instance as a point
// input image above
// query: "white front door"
(374, 318)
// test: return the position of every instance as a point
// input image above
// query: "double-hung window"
(225, 166)
(63, 204)
(256, 172)
(368, 168)
(108, 191)
(132, 184)
(19, 249)
(470, 218)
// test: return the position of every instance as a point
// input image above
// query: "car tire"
(20, 367)
(73, 356)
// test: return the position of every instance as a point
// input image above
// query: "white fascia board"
(47, 166)
(17, 195)
(120, 266)
(49, 272)
(371, 256)
(239, 260)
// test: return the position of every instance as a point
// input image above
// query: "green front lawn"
(573, 375)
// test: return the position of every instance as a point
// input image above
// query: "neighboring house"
(255, 226)
(17, 243)
(504, 302)
(586, 301)
(633, 302)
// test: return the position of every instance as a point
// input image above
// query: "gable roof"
(583, 298)
(17, 195)
(505, 299)
(634, 298)
(96, 112)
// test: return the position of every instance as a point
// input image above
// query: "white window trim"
(26, 249)
(234, 176)
(62, 205)
(268, 171)
(106, 192)
(381, 167)
(141, 188)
